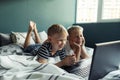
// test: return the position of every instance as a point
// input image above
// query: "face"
(58, 41)
(77, 37)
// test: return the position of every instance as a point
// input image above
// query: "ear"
(49, 38)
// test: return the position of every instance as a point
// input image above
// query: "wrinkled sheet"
(21, 67)
(18, 65)
(113, 75)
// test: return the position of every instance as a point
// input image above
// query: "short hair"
(56, 29)
(75, 28)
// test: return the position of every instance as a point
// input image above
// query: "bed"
(15, 64)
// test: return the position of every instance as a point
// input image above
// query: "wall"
(16, 14)
(100, 32)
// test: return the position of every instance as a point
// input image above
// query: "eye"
(63, 40)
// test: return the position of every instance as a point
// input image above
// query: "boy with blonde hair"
(76, 46)
(76, 43)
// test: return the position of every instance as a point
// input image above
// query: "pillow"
(42, 35)
(89, 51)
(19, 38)
(5, 39)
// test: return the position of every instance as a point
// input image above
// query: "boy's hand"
(78, 45)
(69, 60)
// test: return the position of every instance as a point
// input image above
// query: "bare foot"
(31, 26)
(35, 27)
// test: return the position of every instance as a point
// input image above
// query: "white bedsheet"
(16, 67)
(113, 75)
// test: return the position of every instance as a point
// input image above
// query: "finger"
(75, 43)
(73, 59)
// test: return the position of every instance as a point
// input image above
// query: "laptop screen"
(106, 58)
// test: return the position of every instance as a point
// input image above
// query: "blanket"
(21, 67)
(113, 75)
(18, 65)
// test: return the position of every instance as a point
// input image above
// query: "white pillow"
(89, 51)
(19, 38)
(42, 35)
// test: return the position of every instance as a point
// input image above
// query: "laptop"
(106, 58)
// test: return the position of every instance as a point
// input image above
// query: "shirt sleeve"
(43, 52)
(68, 50)
(62, 54)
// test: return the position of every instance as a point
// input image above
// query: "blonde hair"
(56, 29)
(75, 28)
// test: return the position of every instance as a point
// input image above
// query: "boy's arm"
(60, 64)
(80, 51)
(67, 61)
(42, 60)
(84, 53)
(37, 38)
(77, 51)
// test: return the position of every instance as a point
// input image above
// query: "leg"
(32, 27)
(37, 38)
(27, 40)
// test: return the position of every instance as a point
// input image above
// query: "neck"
(53, 51)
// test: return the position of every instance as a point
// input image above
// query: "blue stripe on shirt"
(45, 51)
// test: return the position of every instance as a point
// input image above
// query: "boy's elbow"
(42, 60)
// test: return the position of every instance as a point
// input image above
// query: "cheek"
(62, 43)
(73, 40)
(58, 43)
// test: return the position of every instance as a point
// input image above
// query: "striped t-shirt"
(45, 51)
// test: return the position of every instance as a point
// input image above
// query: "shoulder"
(67, 46)
(46, 44)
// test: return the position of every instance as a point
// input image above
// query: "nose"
(79, 38)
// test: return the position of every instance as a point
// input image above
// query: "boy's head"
(57, 35)
(75, 35)
(74, 29)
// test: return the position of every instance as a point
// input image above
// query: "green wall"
(16, 14)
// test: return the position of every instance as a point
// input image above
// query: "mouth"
(78, 42)
(60, 47)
